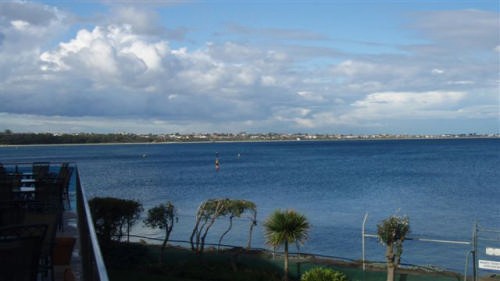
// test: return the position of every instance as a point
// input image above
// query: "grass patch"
(135, 261)
(140, 262)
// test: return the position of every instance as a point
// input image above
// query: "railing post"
(474, 252)
(363, 241)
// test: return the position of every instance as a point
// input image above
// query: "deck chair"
(41, 170)
(20, 248)
(49, 196)
(11, 212)
(49, 215)
(62, 181)
(7, 185)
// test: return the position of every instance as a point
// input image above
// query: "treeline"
(114, 217)
(9, 138)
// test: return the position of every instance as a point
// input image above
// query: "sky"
(296, 66)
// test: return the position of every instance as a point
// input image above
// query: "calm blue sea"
(444, 186)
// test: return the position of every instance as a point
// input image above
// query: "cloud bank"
(131, 73)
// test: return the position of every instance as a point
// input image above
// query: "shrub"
(113, 216)
(323, 274)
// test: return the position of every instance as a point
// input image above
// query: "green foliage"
(162, 216)
(236, 208)
(323, 274)
(206, 216)
(8, 137)
(113, 216)
(286, 226)
(392, 232)
(393, 229)
(210, 210)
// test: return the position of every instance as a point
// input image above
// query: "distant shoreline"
(360, 138)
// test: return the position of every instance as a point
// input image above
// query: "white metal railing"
(93, 267)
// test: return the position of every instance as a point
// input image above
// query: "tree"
(112, 215)
(206, 215)
(392, 232)
(235, 208)
(162, 216)
(284, 227)
(253, 221)
(131, 211)
(323, 274)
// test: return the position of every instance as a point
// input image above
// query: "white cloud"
(26, 25)
(460, 30)
(310, 96)
(437, 71)
(143, 20)
(66, 124)
(353, 68)
(105, 54)
(382, 109)
(267, 80)
(461, 82)
(20, 24)
(128, 74)
(150, 54)
(127, 67)
(359, 74)
(379, 108)
(297, 116)
(406, 102)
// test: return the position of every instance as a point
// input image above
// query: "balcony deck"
(73, 270)
(85, 259)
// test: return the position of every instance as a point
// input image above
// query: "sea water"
(445, 187)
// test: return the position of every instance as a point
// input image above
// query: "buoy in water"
(217, 164)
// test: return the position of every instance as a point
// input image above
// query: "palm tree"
(284, 227)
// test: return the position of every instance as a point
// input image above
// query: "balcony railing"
(14, 193)
(92, 262)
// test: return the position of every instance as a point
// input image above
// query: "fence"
(485, 238)
(486, 252)
(92, 261)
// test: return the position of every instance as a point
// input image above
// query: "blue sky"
(362, 67)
